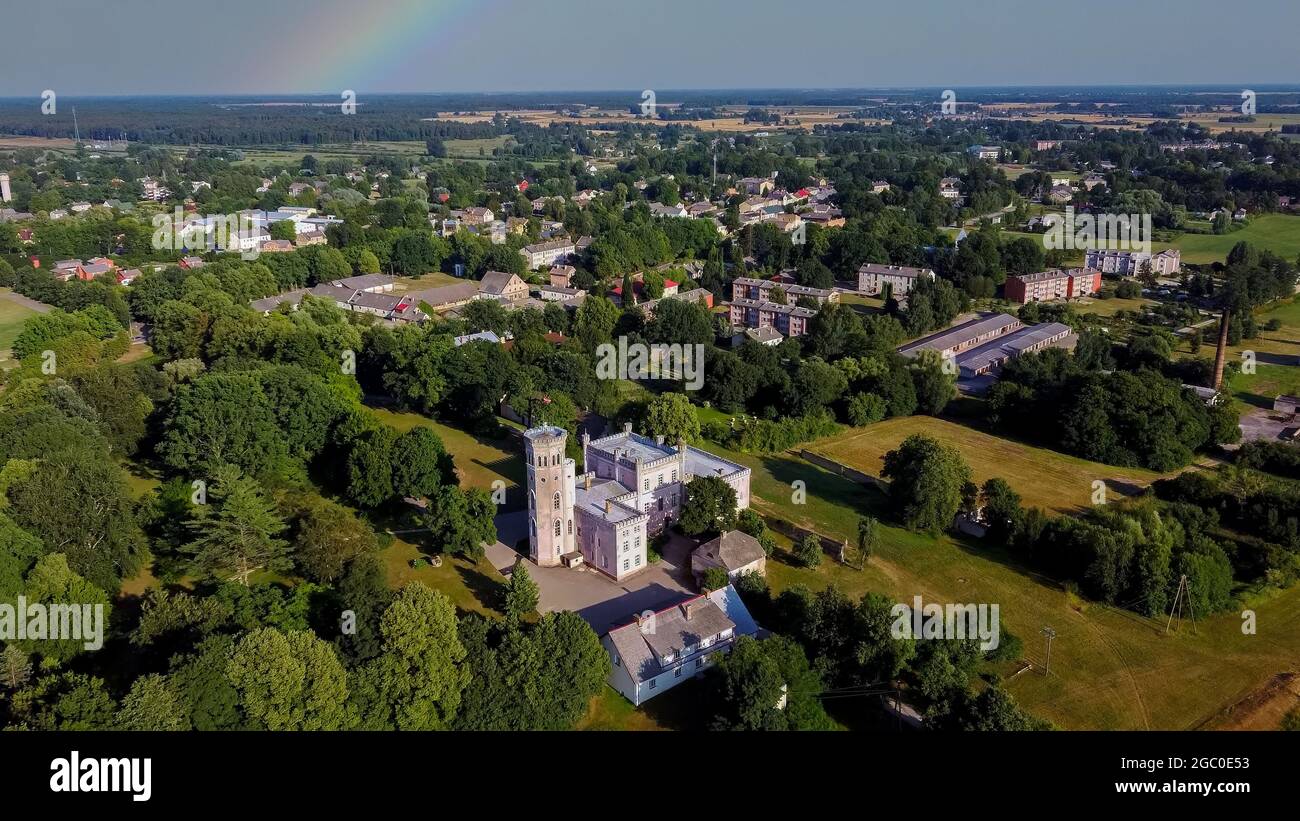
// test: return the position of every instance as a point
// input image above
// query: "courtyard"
(602, 602)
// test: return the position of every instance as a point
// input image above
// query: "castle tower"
(550, 495)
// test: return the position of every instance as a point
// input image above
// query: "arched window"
(557, 527)
(557, 501)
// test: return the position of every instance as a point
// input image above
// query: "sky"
(134, 47)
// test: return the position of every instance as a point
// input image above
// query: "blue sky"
(82, 47)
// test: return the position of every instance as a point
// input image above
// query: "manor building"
(631, 488)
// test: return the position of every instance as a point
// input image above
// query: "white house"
(661, 649)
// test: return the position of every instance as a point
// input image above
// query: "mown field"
(1044, 478)
(12, 317)
(1111, 669)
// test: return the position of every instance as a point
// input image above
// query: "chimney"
(1220, 355)
(659, 440)
(586, 480)
(609, 505)
(627, 427)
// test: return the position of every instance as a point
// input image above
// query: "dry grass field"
(1044, 478)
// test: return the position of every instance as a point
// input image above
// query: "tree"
(521, 593)
(542, 679)
(749, 689)
(51, 581)
(370, 467)
(15, 667)
(1001, 508)
(416, 681)
(809, 550)
(672, 416)
(868, 537)
(715, 578)
(461, 521)
(222, 418)
(363, 590)
(289, 681)
(926, 480)
(420, 463)
(152, 705)
(710, 506)
(328, 538)
(866, 409)
(64, 701)
(238, 531)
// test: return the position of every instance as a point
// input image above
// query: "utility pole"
(1051, 634)
(1177, 604)
(76, 129)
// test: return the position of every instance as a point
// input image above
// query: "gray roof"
(702, 463)
(447, 294)
(670, 632)
(894, 270)
(495, 282)
(764, 334)
(271, 302)
(365, 281)
(1010, 345)
(602, 491)
(958, 334)
(734, 549)
(774, 307)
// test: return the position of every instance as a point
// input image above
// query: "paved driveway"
(601, 601)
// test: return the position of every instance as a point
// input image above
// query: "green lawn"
(1110, 669)
(471, 586)
(1258, 390)
(1279, 233)
(479, 461)
(12, 317)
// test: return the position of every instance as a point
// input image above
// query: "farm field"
(1044, 478)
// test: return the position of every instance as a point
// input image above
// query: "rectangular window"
(677, 673)
(647, 484)
(625, 564)
(674, 477)
(699, 663)
(638, 560)
(652, 684)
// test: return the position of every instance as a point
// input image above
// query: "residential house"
(662, 649)
(873, 277)
(790, 320)
(1129, 263)
(503, 286)
(1045, 286)
(541, 254)
(734, 551)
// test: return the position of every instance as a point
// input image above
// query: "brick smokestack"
(1221, 354)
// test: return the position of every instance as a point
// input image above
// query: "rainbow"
(371, 51)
